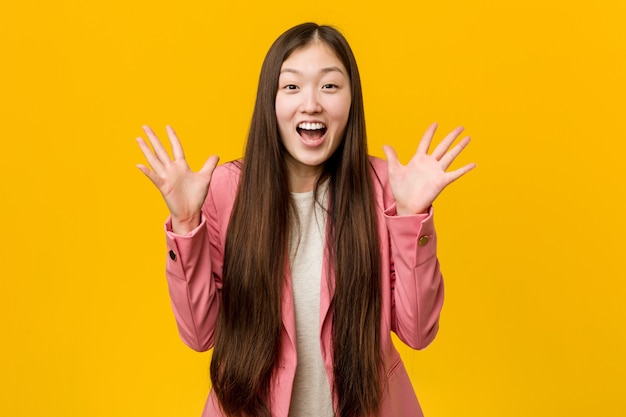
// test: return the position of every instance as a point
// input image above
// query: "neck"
(302, 181)
(302, 184)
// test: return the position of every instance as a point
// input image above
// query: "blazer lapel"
(327, 288)
(288, 308)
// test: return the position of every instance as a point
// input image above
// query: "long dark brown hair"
(256, 256)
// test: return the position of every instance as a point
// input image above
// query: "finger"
(424, 144)
(209, 166)
(450, 156)
(150, 157)
(159, 150)
(177, 148)
(151, 175)
(445, 144)
(458, 173)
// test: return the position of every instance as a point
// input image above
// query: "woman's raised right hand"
(182, 189)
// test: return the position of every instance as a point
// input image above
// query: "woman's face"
(312, 108)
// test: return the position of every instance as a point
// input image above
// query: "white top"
(311, 396)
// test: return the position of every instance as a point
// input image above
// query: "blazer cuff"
(413, 234)
(183, 251)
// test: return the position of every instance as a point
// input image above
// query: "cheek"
(340, 110)
(341, 103)
(283, 110)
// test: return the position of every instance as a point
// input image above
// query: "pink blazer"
(412, 291)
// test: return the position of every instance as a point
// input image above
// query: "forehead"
(313, 58)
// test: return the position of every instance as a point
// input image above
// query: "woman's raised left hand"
(415, 186)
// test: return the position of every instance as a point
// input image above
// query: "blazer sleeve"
(416, 280)
(193, 270)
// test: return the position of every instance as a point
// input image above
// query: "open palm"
(415, 186)
(183, 190)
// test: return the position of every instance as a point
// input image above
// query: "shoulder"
(230, 169)
(223, 187)
(379, 171)
(226, 176)
(380, 180)
(379, 166)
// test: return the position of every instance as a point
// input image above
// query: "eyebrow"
(323, 70)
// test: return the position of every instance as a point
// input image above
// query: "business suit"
(412, 291)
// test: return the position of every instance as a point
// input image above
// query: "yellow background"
(531, 242)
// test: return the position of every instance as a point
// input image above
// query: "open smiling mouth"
(311, 133)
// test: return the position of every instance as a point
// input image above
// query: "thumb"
(209, 166)
(392, 157)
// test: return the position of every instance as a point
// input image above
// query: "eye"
(330, 86)
(290, 87)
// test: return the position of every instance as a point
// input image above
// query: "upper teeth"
(311, 126)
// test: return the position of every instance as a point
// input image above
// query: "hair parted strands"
(249, 325)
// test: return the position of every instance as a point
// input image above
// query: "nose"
(310, 102)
